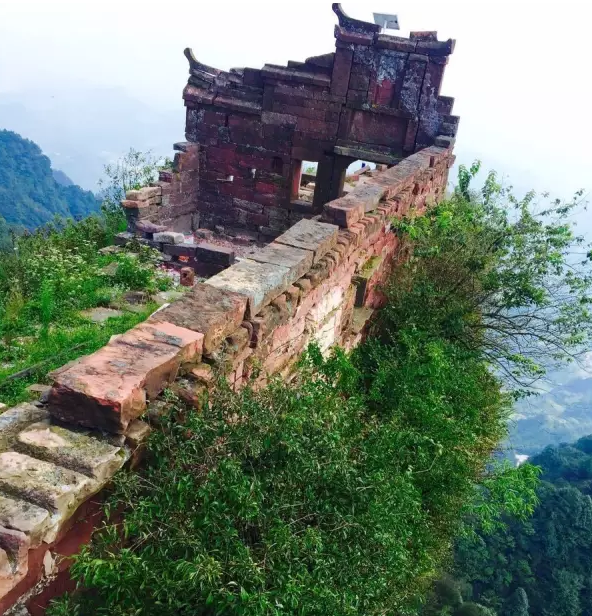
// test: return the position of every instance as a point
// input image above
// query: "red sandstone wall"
(170, 202)
(318, 281)
(333, 301)
(376, 98)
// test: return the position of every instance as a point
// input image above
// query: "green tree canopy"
(507, 278)
(517, 604)
(542, 565)
(29, 193)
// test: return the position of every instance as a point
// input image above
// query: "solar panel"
(387, 22)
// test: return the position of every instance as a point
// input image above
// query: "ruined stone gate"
(308, 269)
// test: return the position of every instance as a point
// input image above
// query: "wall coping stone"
(298, 261)
(109, 388)
(317, 237)
(259, 282)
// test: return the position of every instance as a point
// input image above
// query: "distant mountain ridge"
(81, 148)
(61, 178)
(30, 193)
(559, 414)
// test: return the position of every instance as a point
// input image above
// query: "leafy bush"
(132, 171)
(318, 497)
(506, 278)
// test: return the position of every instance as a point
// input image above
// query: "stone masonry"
(319, 279)
(375, 98)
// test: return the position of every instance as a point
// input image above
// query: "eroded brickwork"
(170, 203)
(375, 98)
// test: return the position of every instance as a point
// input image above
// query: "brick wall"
(375, 98)
(317, 281)
(170, 202)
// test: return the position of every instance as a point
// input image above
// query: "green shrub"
(330, 495)
(11, 314)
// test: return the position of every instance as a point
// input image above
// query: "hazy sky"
(520, 73)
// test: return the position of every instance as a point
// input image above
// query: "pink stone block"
(109, 388)
(285, 336)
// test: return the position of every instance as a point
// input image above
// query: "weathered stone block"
(211, 311)
(8, 580)
(203, 374)
(278, 119)
(137, 433)
(144, 193)
(149, 228)
(297, 261)
(14, 548)
(359, 82)
(259, 282)
(169, 237)
(43, 483)
(24, 517)
(108, 389)
(210, 253)
(363, 279)
(16, 419)
(396, 43)
(121, 239)
(318, 237)
(77, 450)
(179, 250)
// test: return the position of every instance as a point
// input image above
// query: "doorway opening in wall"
(304, 175)
(358, 172)
(307, 181)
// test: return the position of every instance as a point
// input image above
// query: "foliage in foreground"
(333, 495)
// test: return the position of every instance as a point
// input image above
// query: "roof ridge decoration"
(354, 25)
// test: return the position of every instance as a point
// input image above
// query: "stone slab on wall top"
(298, 261)
(215, 313)
(318, 237)
(109, 389)
(268, 272)
(261, 283)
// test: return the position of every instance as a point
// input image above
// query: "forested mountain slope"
(541, 567)
(29, 194)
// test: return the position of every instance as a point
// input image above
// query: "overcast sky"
(520, 73)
